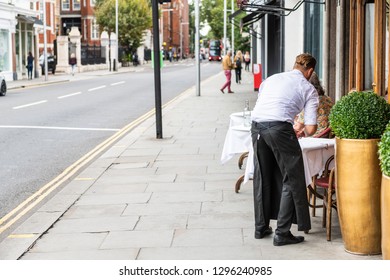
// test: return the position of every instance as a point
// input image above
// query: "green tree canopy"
(212, 14)
(134, 18)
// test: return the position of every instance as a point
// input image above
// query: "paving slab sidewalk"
(165, 199)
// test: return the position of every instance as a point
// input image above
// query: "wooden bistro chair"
(240, 180)
(326, 133)
(326, 182)
(311, 192)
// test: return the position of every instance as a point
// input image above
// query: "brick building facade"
(174, 26)
(22, 29)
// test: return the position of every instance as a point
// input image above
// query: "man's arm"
(310, 129)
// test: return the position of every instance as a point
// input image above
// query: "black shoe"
(280, 240)
(264, 233)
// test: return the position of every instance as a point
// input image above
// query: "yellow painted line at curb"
(43, 192)
(84, 179)
(21, 236)
(38, 196)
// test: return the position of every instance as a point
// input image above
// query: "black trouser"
(279, 178)
(29, 71)
(238, 75)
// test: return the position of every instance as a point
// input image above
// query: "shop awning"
(257, 9)
(251, 18)
(29, 19)
(254, 11)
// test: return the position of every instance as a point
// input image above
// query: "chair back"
(326, 133)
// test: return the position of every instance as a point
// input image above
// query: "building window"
(94, 30)
(369, 45)
(314, 33)
(93, 3)
(65, 5)
(4, 51)
(41, 11)
(76, 5)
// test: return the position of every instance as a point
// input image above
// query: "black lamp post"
(157, 71)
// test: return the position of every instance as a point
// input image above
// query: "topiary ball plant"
(360, 115)
(384, 151)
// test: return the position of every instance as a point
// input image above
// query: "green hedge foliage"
(360, 115)
(384, 151)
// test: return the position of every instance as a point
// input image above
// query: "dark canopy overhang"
(251, 18)
(257, 9)
(28, 19)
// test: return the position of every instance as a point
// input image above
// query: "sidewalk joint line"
(28, 204)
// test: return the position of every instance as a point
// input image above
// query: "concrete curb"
(46, 215)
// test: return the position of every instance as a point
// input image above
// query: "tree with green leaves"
(134, 19)
(212, 14)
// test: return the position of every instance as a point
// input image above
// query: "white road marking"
(60, 128)
(118, 83)
(96, 88)
(30, 104)
(69, 95)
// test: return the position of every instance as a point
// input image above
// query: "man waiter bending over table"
(279, 179)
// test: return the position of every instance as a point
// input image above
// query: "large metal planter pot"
(358, 193)
(385, 213)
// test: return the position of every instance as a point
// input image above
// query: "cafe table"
(315, 152)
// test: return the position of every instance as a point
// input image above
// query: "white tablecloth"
(237, 141)
(236, 119)
(315, 151)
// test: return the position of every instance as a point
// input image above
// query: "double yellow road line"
(23, 208)
(12, 217)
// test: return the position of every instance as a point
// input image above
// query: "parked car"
(51, 64)
(3, 86)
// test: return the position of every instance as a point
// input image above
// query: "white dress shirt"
(282, 96)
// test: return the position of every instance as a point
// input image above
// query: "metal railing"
(92, 54)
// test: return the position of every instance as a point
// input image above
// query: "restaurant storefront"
(18, 36)
(283, 31)
(25, 42)
(7, 27)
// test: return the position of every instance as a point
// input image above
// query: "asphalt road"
(43, 130)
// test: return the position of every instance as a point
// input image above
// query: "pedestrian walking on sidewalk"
(227, 66)
(238, 66)
(279, 186)
(73, 62)
(247, 60)
(30, 62)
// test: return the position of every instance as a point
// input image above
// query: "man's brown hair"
(306, 61)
